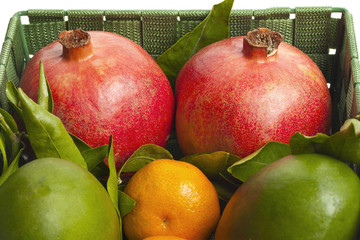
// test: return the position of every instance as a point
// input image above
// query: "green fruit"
(303, 197)
(56, 199)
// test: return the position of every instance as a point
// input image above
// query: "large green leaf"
(251, 164)
(213, 28)
(344, 144)
(47, 135)
(300, 143)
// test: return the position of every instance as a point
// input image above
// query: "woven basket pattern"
(311, 29)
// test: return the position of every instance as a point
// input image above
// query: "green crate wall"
(311, 29)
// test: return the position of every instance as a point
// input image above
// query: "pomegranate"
(104, 84)
(237, 94)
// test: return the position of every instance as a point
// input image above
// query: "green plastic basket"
(326, 34)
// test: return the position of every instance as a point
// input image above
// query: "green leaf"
(352, 121)
(80, 144)
(44, 94)
(213, 28)
(95, 156)
(223, 188)
(11, 134)
(9, 120)
(210, 163)
(344, 144)
(112, 183)
(12, 168)
(214, 165)
(47, 135)
(300, 144)
(251, 164)
(126, 203)
(101, 171)
(4, 163)
(13, 97)
(143, 155)
(225, 173)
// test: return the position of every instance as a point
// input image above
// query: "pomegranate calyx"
(264, 38)
(76, 45)
(74, 38)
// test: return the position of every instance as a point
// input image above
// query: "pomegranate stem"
(263, 40)
(76, 44)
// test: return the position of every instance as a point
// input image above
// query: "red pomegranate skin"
(230, 101)
(117, 89)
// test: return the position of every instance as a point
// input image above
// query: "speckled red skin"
(229, 101)
(117, 90)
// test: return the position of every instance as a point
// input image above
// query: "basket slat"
(159, 29)
(86, 19)
(312, 29)
(125, 23)
(189, 19)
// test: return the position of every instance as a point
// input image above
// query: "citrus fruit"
(172, 198)
(164, 238)
(51, 198)
(308, 196)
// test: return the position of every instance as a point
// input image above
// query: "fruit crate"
(326, 34)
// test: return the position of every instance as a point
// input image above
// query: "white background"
(10, 7)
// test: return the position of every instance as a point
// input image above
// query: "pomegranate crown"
(264, 38)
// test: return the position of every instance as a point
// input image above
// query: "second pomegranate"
(239, 93)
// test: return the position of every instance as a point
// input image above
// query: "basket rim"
(292, 10)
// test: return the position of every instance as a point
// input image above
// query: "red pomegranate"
(104, 84)
(239, 93)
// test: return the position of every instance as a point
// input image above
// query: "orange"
(164, 238)
(172, 198)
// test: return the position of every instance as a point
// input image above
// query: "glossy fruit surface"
(164, 238)
(50, 198)
(307, 196)
(172, 198)
(234, 97)
(108, 86)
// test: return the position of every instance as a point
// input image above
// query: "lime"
(56, 199)
(309, 196)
